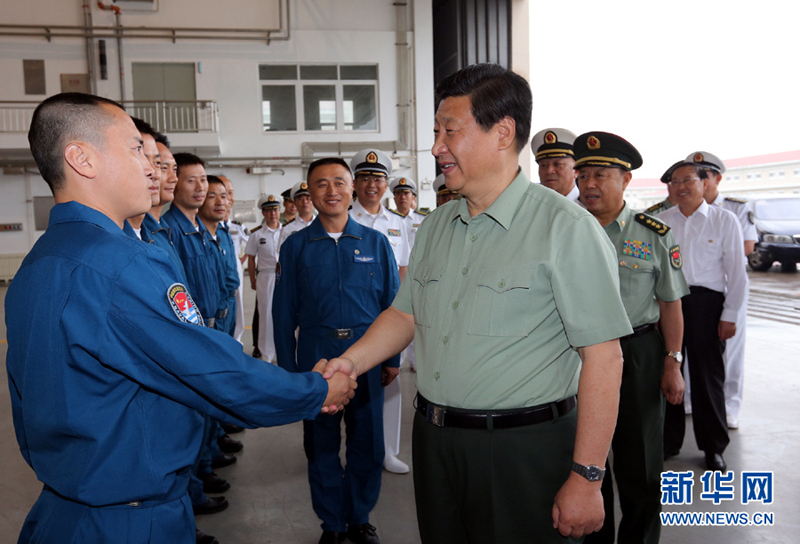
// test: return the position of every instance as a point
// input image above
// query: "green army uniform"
(500, 307)
(656, 209)
(649, 269)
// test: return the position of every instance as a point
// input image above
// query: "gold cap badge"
(593, 142)
(372, 157)
(698, 157)
(550, 138)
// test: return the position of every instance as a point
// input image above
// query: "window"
(319, 97)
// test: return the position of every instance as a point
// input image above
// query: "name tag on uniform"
(262, 241)
(394, 232)
(364, 259)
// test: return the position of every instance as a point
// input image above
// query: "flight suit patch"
(635, 248)
(675, 257)
(183, 305)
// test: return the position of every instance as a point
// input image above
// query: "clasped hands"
(341, 377)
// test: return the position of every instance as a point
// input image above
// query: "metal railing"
(165, 116)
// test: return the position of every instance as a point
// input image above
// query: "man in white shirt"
(404, 191)
(710, 241)
(371, 169)
(262, 252)
(305, 211)
(734, 348)
(552, 149)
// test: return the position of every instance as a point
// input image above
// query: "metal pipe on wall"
(90, 64)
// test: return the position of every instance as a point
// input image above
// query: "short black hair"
(144, 127)
(494, 93)
(162, 139)
(61, 119)
(187, 159)
(327, 160)
(214, 179)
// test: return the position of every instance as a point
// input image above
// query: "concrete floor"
(270, 500)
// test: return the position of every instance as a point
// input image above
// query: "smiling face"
(215, 207)
(464, 151)
(190, 192)
(370, 189)
(688, 188)
(602, 191)
(331, 189)
(558, 173)
(169, 174)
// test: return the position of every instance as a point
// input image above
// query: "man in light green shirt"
(512, 297)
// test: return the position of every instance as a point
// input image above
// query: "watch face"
(593, 473)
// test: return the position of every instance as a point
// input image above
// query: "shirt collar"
(504, 207)
(718, 200)
(359, 208)
(624, 217)
(69, 212)
(317, 232)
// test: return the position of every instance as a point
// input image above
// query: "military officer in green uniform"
(651, 286)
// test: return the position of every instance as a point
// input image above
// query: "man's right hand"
(341, 388)
(340, 364)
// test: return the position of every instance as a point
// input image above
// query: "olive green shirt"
(501, 301)
(649, 265)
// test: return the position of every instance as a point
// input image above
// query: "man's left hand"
(388, 374)
(726, 330)
(578, 508)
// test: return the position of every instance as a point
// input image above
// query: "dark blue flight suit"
(105, 356)
(229, 280)
(333, 290)
(156, 233)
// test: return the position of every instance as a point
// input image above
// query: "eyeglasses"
(371, 179)
(679, 182)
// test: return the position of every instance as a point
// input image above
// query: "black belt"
(638, 331)
(697, 289)
(341, 334)
(442, 416)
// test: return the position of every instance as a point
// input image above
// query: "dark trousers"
(702, 309)
(254, 327)
(490, 487)
(637, 445)
(343, 496)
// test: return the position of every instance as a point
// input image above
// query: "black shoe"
(363, 534)
(214, 484)
(331, 537)
(224, 460)
(211, 506)
(256, 353)
(228, 444)
(202, 538)
(714, 461)
(230, 428)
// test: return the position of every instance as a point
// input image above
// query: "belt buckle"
(435, 414)
(210, 322)
(342, 334)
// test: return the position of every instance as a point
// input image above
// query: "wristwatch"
(677, 355)
(593, 473)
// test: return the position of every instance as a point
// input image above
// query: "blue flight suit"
(156, 233)
(323, 285)
(107, 374)
(229, 277)
(196, 252)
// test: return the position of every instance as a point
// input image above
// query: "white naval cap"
(553, 142)
(371, 161)
(403, 184)
(299, 188)
(706, 160)
(268, 201)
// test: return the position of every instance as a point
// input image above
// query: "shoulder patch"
(652, 223)
(289, 222)
(675, 257)
(236, 222)
(183, 305)
(255, 229)
(655, 208)
(395, 212)
(423, 213)
(737, 200)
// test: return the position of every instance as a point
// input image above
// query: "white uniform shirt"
(741, 211)
(574, 194)
(711, 247)
(413, 221)
(240, 236)
(293, 226)
(263, 245)
(391, 224)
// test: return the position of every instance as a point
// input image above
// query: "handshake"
(341, 376)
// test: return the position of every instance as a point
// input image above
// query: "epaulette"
(292, 221)
(422, 213)
(654, 208)
(395, 212)
(737, 200)
(255, 229)
(237, 223)
(652, 223)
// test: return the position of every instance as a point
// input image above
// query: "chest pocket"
(503, 302)
(637, 278)
(426, 286)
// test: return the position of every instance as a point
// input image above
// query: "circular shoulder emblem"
(550, 138)
(698, 157)
(372, 157)
(183, 305)
(593, 142)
